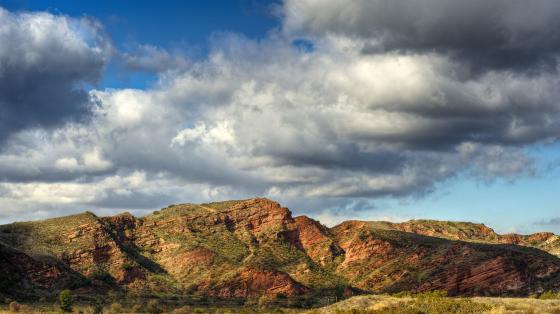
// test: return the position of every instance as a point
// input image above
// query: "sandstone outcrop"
(240, 249)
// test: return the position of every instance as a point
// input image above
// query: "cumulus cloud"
(44, 61)
(316, 128)
(486, 34)
(148, 58)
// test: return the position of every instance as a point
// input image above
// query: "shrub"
(153, 307)
(264, 301)
(137, 308)
(98, 305)
(115, 308)
(549, 295)
(65, 299)
(402, 294)
(14, 306)
(436, 294)
(127, 266)
(101, 275)
(182, 310)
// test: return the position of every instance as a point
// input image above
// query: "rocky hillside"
(255, 247)
(468, 231)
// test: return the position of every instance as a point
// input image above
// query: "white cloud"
(266, 118)
(94, 161)
(45, 60)
(69, 164)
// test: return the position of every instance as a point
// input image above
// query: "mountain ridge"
(467, 231)
(245, 248)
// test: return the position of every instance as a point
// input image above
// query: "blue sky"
(183, 26)
(301, 102)
(168, 24)
(523, 205)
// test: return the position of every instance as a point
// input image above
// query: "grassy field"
(434, 304)
(50, 308)
(429, 303)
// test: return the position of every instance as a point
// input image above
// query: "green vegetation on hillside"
(246, 249)
(44, 238)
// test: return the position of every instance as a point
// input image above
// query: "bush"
(98, 305)
(402, 294)
(113, 296)
(153, 307)
(138, 308)
(264, 301)
(182, 310)
(101, 275)
(65, 299)
(115, 308)
(14, 306)
(127, 266)
(436, 294)
(549, 295)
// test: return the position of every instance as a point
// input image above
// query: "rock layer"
(239, 249)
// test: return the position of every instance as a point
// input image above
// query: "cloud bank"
(387, 100)
(501, 34)
(44, 62)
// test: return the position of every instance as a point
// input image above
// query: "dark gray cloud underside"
(44, 67)
(502, 34)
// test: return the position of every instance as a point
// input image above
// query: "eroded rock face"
(256, 215)
(494, 276)
(315, 239)
(449, 230)
(255, 247)
(20, 271)
(102, 252)
(254, 282)
(467, 231)
(412, 262)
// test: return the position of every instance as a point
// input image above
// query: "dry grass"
(88, 309)
(391, 304)
(356, 305)
(521, 305)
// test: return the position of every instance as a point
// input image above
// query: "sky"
(357, 109)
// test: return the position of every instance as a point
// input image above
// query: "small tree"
(153, 307)
(264, 301)
(138, 308)
(127, 266)
(14, 306)
(116, 308)
(98, 305)
(65, 299)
